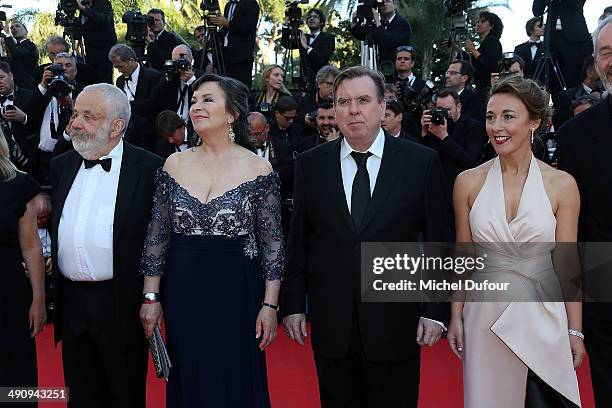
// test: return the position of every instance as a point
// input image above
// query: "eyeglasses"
(449, 72)
(257, 135)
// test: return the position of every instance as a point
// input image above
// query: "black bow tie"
(261, 147)
(104, 163)
(532, 43)
(4, 98)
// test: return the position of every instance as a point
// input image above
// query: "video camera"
(457, 11)
(59, 85)
(365, 12)
(65, 16)
(294, 13)
(415, 101)
(172, 69)
(210, 8)
(456, 7)
(137, 25)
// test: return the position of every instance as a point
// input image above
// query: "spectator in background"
(272, 89)
(259, 134)
(531, 51)
(172, 132)
(22, 55)
(312, 100)
(459, 75)
(583, 103)
(160, 49)
(326, 123)
(202, 57)
(485, 58)
(392, 123)
(53, 46)
(99, 36)
(405, 57)
(509, 67)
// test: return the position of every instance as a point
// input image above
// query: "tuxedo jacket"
(241, 32)
(99, 31)
(472, 105)
(397, 32)
(324, 247)
(562, 101)
(490, 54)
(148, 78)
(132, 214)
(160, 50)
(23, 61)
(584, 145)
(24, 134)
(571, 13)
(322, 49)
(524, 51)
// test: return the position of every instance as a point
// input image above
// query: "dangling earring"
(231, 134)
(532, 132)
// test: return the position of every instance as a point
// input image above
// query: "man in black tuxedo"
(365, 353)
(531, 50)
(458, 140)
(584, 148)
(571, 41)
(172, 134)
(405, 57)
(23, 55)
(102, 197)
(54, 45)
(99, 35)
(160, 49)
(315, 48)
(50, 114)
(238, 30)
(18, 130)
(387, 37)
(458, 76)
(591, 85)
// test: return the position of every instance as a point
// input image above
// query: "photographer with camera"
(387, 33)
(405, 57)
(531, 51)
(160, 49)
(458, 76)
(22, 54)
(310, 102)
(457, 138)
(54, 45)
(484, 59)
(51, 108)
(315, 48)
(510, 65)
(238, 30)
(99, 35)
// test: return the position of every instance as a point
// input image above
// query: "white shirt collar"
(587, 88)
(116, 154)
(190, 81)
(135, 74)
(376, 148)
(391, 19)
(160, 33)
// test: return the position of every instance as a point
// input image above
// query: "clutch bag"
(159, 354)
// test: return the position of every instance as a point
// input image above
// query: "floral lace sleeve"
(269, 229)
(153, 261)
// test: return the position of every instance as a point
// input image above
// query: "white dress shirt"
(47, 143)
(183, 107)
(129, 87)
(349, 170)
(85, 234)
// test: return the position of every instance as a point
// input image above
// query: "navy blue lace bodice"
(252, 209)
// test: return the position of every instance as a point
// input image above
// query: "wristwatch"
(150, 297)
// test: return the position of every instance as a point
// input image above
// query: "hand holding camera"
(46, 77)
(82, 5)
(435, 122)
(13, 113)
(218, 21)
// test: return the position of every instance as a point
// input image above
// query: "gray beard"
(90, 146)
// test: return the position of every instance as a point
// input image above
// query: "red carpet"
(293, 381)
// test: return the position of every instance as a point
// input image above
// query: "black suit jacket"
(524, 51)
(584, 145)
(323, 252)
(242, 30)
(490, 55)
(24, 134)
(397, 33)
(472, 105)
(148, 79)
(99, 31)
(571, 13)
(160, 50)
(284, 147)
(132, 214)
(562, 101)
(23, 60)
(322, 49)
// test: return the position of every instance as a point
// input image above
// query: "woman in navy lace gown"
(215, 244)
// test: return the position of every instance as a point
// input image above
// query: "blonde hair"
(7, 168)
(265, 74)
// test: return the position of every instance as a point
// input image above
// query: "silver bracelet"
(575, 333)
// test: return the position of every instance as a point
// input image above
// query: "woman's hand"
(455, 337)
(577, 347)
(37, 316)
(265, 326)
(469, 46)
(150, 315)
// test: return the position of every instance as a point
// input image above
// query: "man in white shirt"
(102, 193)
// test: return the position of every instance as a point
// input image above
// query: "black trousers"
(598, 341)
(100, 369)
(103, 71)
(353, 381)
(570, 57)
(241, 71)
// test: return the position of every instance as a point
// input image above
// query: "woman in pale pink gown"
(517, 353)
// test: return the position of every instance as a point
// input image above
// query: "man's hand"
(303, 40)
(295, 327)
(425, 122)
(186, 75)
(354, 19)
(80, 5)
(219, 21)
(428, 332)
(15, 115)
(376, 15)
(46, 78)
(439, 131)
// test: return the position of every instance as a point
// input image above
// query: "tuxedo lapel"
(334, 181)
(71, 168)
(128, 181)
(386, 179)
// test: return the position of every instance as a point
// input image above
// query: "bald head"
(258, 128)
(182, 49)
(257, 119)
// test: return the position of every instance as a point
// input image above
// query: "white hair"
(117, 103)
(602, 24)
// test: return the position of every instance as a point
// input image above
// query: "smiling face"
(358, 110)
(208, 110)
(508, 124)
(603, 57)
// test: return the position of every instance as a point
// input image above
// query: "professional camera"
(172, 69)
(503, 67)
(65, 16)
(59, 85)
(439, 115)
(415, 101)
(294, 13)
(365, 12)
(457, 11)
(137, 24)
(456, 7)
